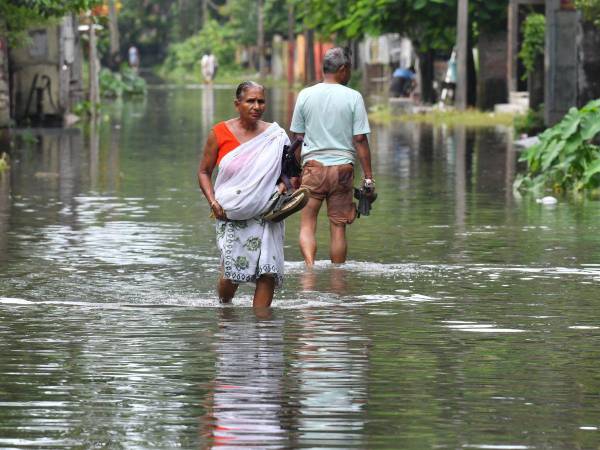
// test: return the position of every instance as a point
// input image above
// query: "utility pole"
(93, 66)
(204, 12)
(262, 66)
(462, 47)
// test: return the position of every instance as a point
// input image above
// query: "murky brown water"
(465, 318)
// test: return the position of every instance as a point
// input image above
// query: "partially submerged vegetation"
(126, 82)
(567, 157)
(472, 117)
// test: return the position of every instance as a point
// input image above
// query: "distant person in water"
(208, 65)
(133, 57)
(248, 153)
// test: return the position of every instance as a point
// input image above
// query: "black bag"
(290, 166)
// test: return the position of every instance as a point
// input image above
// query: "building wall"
(36, 67)
(492, 81)
(589, 66)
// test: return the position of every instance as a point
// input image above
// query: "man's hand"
(369, 189)
(295, 182)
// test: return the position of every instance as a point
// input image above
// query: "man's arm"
(298, 155)
(363, 151)
(298, 150)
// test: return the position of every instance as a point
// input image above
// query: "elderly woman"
(248, 153)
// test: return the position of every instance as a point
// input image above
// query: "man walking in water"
(333, 122)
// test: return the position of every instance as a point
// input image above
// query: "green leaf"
(592, 170)
(570, 123)
(590, 126)
(552, 152)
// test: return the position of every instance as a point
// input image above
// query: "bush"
(184, 57)
(566, 157)
(534, 38)
(531, 122)
(125, 82)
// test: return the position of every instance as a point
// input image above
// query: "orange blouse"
(226, 141)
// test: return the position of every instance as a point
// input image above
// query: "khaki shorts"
(334, 184)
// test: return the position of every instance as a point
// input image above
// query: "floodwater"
(466, 317)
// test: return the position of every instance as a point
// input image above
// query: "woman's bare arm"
(205, 170)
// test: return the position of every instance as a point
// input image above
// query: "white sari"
(246, 181)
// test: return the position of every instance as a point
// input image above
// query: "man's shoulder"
(324, 87)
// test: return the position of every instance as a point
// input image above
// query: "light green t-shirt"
(329, 114)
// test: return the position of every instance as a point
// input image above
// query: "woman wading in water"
(248, 153)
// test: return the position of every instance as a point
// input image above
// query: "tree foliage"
(242, 17)
(534, 39)
(184, 57)
(431, 24)
(17, 16)
(590, 9)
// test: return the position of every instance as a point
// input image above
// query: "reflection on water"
(4, 213)
(245, 403)
(464, 318)
(260, 400)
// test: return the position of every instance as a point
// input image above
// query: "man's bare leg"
(263, 294)
(338, 246)
(226, 289)
(308, 230)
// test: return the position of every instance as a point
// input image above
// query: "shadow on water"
(464, 318)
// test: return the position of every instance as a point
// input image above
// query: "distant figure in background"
(133, 57)
(208, 65)
(403, 82)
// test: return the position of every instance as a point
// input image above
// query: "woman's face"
(252, 104)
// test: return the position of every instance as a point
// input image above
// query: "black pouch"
(290, 166)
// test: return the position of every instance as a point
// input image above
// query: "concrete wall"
(32, 63)
(589, 66)
(560, 61)
(491, 82)
(48, 70)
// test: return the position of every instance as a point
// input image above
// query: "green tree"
(17, 16)
(590, 9)
(430, 24)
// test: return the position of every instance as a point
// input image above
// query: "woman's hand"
(218, 211)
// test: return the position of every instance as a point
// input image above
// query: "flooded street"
(466, 317)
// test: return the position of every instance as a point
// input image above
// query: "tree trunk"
(4, 85)
(113, 26)
(204, 12)
(471, 74)
(462, 49)
(93, 68)
(426, 70)
(291, 44)
(310, 56)
(260, 43)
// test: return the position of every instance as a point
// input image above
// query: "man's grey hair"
(335, 58)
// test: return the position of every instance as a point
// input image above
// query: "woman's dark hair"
(244, 86)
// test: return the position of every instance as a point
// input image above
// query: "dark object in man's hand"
(290, 166)
(366, 196)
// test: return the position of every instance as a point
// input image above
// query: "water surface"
(465, 317)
